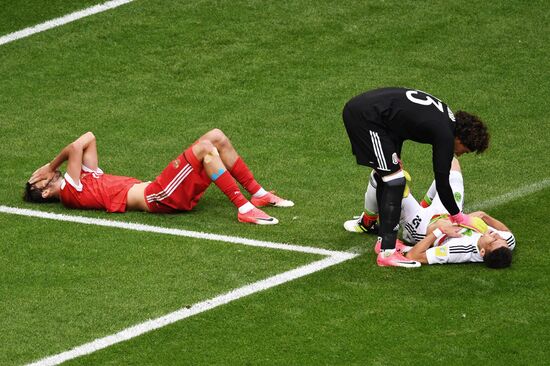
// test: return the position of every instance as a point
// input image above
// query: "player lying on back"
(179, 187)
(493, 246)
(418, 220)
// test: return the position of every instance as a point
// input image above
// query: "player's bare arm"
(489, 220)
(81, 151)
(435, 231)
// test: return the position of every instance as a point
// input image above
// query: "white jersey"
(463, 249)
(415, 219)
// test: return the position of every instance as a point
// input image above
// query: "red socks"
(228, 186)
(244, 176)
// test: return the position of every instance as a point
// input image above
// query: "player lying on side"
(179, 187)
(419, 220)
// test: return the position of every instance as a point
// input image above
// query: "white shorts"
(415, 218)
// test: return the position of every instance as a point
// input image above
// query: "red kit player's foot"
(257, 216)
(270, 199)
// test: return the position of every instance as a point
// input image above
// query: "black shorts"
(372, 144)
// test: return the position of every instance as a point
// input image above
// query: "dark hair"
(498, 258)
(472, 132)
(33, 194)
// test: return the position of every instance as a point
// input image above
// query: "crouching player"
(179, 187)
(419, 220)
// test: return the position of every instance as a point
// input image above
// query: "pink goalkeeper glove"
(469, 222)
(459, 218)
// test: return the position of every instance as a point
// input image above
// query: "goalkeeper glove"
(473, 223)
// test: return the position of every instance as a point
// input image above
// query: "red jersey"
(96, 191)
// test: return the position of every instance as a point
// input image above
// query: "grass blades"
(150, 77)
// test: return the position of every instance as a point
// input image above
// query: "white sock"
(432, 191)
(261, 192)
(387, 252)
(246, 207)
(371, 206)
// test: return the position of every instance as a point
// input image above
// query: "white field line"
(169, 231)
(510, 196)
(62, 20)
(333, 258)
(183, 313)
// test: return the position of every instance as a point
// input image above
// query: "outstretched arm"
(489, 220)
(81, 151)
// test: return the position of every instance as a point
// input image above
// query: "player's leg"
(429, 196)
(362, 147)
(241, 172)
(365, 223)
(432, 191)
(412, 219)
(207, 153)
(389, 203)
(389, 196)
(375, 147)
(456, 180)
(227, 152)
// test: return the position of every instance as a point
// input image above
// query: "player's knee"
(202, 148)
(216, 135)
(218, 138)
(396, 182)
(455, 165)
(374, 178)
(395, 179)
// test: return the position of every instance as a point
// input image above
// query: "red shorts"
(179, 187)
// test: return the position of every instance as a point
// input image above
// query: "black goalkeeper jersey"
(409, 114)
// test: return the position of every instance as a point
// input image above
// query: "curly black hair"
(472, 132)
(498, 258)
(33, 194)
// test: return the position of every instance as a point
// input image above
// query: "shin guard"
(389, 206)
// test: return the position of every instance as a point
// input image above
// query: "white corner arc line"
(333, 258)
(168, 231)
(510, 196)
(197, 308)
(62, 20)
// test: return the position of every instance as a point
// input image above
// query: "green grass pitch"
(151, 76)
